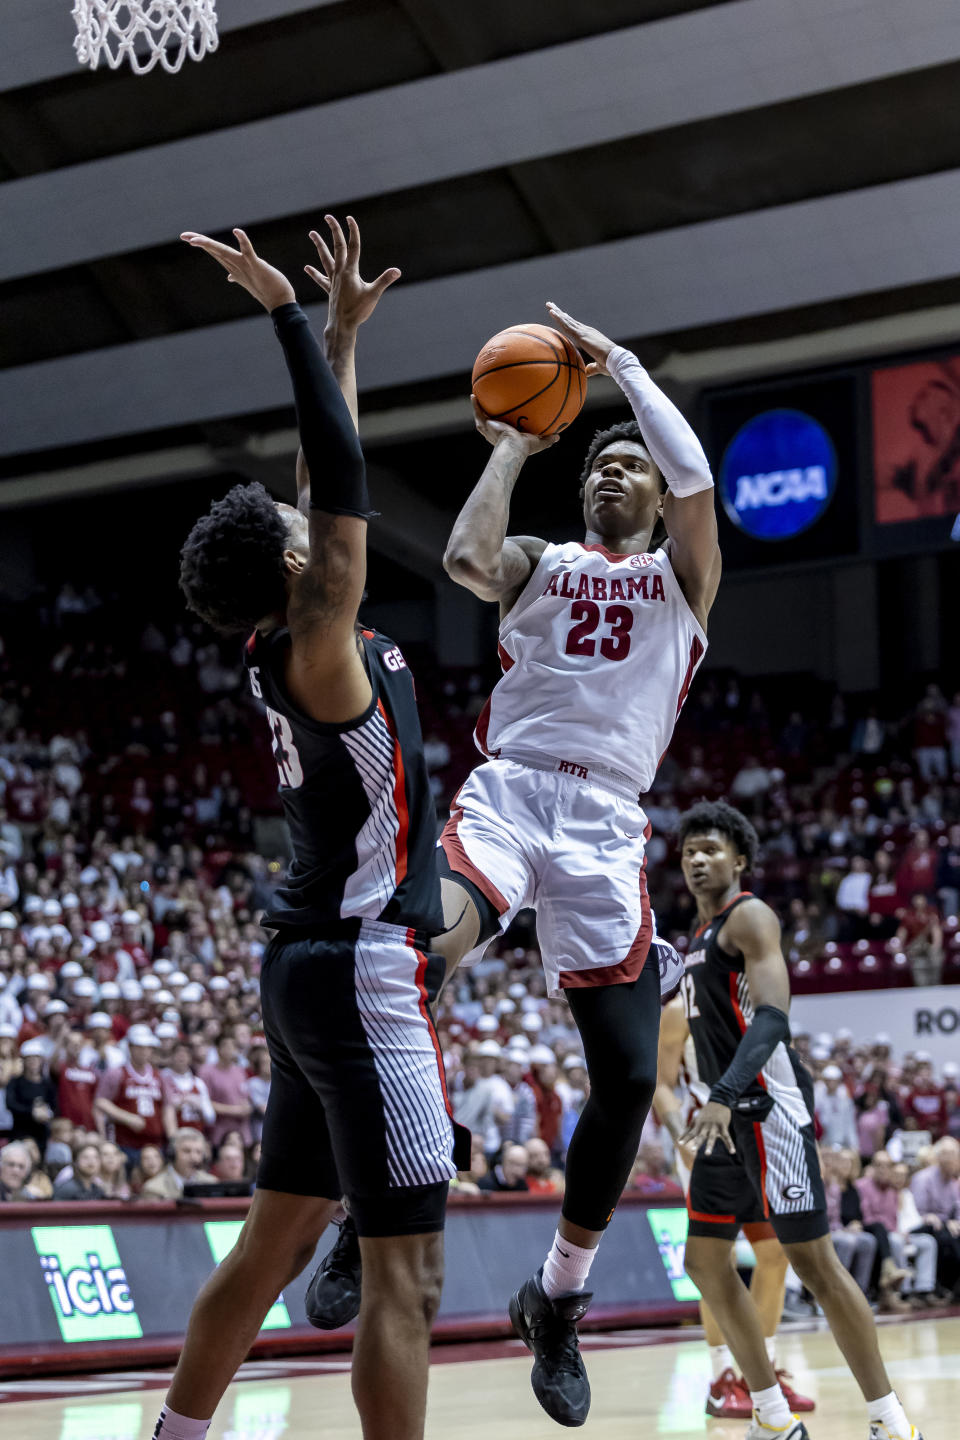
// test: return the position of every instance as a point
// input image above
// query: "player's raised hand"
(496, 432)
(245, 267)
(585, 337)
(709, 1124)
(352, 299)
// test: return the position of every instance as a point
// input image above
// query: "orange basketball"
(531, 377)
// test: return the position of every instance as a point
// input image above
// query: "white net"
(144, 33)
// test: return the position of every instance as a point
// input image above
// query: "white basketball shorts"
(570, 846)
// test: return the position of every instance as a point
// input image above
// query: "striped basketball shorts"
(358, 1103)
(773, 1175)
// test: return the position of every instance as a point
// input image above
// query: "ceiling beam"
(861, 242)
(720, 60)
(407, 528)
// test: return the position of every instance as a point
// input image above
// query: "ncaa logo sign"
(778, 474)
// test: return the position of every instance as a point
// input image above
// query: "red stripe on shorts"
(762, 1152)
(425, 1012)
(711, 1219)
(460, 862)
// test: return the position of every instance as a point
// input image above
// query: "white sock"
(771, 1408)
(566, 1267)
(721, 1359)
(771, 1343)
(888, 1411)
(172, 1426)
(339, 1215)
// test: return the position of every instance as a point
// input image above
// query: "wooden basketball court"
(639, 1389)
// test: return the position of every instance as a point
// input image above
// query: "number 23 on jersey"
(587, 616)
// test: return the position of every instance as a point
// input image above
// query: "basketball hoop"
(144, 32)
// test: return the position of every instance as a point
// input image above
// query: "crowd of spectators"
(889, 1135)
(140, 842)
(859, 823)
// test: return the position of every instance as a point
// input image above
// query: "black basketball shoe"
(333, 1295)
(549, 1329)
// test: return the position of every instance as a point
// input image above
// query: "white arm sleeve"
(676, 450)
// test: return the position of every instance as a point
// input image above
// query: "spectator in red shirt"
(131, 926)
(51, 1028)
(25, 798)
(921, 937)
(131, 1096)
(543, 1081)
(111, 1003)
(883, 901)
(926, 1101)
(186, 1099)
(930, 740)
(108, 963)
(76, 1083)
(99, 1052)
(37, 989)
(917, 872)
(229, 1089)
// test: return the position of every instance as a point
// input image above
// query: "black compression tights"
(620, 1028)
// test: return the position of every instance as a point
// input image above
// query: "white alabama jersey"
(598, 654)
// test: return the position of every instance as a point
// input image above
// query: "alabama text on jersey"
(598, 654)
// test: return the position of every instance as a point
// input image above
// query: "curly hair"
(626, 430)
(231, 566)
(718, 815)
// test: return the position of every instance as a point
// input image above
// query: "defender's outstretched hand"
(495, 431)
(244, 267)
(352, 299)
(585, 337)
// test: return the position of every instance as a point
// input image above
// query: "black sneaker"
(333, 1295)
(549, 1329)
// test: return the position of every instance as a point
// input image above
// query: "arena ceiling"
(725, 185)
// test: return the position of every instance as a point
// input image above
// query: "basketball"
(531, 377)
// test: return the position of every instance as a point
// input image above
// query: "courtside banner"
(86, 1283)
(116, 1282)
(927, 1018)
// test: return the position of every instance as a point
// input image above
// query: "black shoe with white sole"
(549, 1329)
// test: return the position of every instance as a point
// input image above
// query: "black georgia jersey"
(716, 997)
(356, 798)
